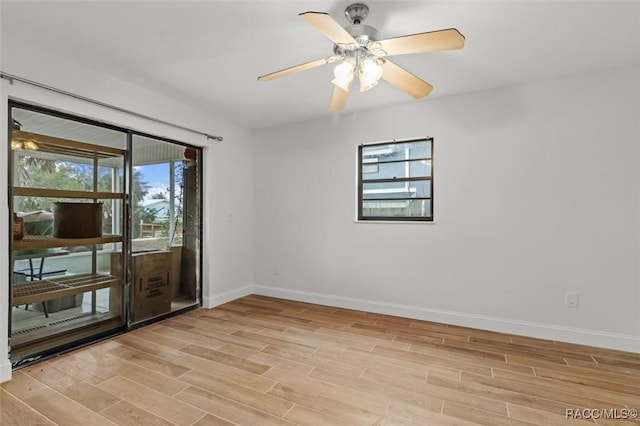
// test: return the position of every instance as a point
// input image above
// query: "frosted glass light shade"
(343, 73)
(370, 73)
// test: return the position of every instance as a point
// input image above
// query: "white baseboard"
(228, 296)
(5, 370)
(603, 339)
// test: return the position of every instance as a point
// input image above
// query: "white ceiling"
(209, 53)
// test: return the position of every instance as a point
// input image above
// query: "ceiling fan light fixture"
(370, 73)
(31, 145)
(343, 73)
(24, 144)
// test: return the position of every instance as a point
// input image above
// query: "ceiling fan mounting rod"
(356, 13)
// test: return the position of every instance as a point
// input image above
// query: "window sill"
(397, 222)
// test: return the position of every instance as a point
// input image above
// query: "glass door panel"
(165, 228)
(67, 204)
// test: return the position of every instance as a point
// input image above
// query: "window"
(395, 180)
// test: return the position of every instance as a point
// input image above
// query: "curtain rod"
(11, 78)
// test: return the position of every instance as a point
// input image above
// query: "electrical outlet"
(571, 299)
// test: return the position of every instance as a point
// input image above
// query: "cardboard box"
(151, 285)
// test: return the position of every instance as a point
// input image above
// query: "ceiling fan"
(362, 53)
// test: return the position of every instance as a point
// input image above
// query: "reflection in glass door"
(165, 227)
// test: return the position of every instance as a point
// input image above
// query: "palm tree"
(26, 162)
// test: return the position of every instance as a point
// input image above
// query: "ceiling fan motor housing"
(363, 34)
(356, 13)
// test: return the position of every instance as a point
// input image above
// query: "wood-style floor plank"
(226, 359)
(357, 398)
(409, 393)
(274, 362)
(186, 336)
(258, 400)
(159, 351)
(589, 381)
(475, 415)
(226, 372)
(211, 420)
(96, 367)
(72, 387)
(576, 399)
(524, 350)
(435, 389)
(229, 409)
(470, 391)
(51, 404)
(489, 362)
(394, 355)
(324, 403)
(313, 360)
(148, 335)
(543, 418)
(592, 371)
(15, 412)
(282, 341)
(64, 411)
(126, 414)
(306, 417)
(359, 338)
(148, 361)
(265, 358)
(608, 396)
(161, 405)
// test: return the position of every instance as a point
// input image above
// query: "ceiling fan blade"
(301, 67)
(338, 99)
(404, 80)
(431, 41)
(324, 23)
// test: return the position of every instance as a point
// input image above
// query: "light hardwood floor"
(265, 361)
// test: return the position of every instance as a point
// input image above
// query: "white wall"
(227, 187)
(537, 192)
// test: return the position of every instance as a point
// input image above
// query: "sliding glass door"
(68, 207)
(106, 230)
(165, 227)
